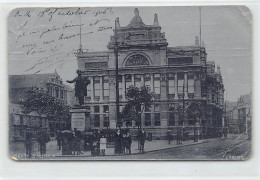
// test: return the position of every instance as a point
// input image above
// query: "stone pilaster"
(123, 88)
(176, 97)
(91, 88)
(101, 116)
(185, 85)
(152, 83)
(197, 88)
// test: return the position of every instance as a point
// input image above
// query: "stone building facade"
(176, 76)
(18, 85)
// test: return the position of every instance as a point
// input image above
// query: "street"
(235, 147)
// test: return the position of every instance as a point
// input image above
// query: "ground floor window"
(106, 121)
(96, 120)
(171, 119)
(147, 117)
(157, 119)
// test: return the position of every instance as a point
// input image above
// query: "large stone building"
(18, 85)
(174, 74)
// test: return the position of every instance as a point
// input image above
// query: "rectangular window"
(106, 108)
(171, 119)
(157, 120)
(157, 108)
(97, 86)
(21, 119)
(105, 86)
(96, 109)
(147, 117)
(190, 85)
(96, 120)
(89, 89)
(213, 98)
(138, 80)
(171, 83)
(180, 60)
(128, 80)
(106, 121)
(180, 86)
(147, 81)
(157, 84)
(147, 108)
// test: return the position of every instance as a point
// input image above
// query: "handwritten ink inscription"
(50, 36)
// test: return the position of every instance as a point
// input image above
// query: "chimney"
(197, 42)
(155, 22)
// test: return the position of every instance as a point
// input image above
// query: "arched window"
(137, 60)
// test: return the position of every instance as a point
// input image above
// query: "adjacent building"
(18, 85)
(244, 113)
(176, 75)
(239, 114)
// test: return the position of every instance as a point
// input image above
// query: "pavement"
(17, 149)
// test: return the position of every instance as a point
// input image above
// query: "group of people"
(69, 142)
(41, 136)
(123, 142)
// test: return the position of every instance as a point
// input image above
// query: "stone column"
(123, 88)
(142, 80)
(101, 89)
(185, 85)
(176, 97)
(92, 88)
(91, 116)
(142, 119)
(152, 88)
(133, 79)
(163, 87)
(112, 116)
(101, 109)
(152, 115)
(197, 88)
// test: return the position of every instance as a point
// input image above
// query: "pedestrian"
(220, 133)
(43, 138)
(124, 143)
(195, 134)
(169, 136)
(103, 145)
(77, 137)
(142, 137)
(178, 135)
(225, 131)
(28, 142)
(118, 142)
(128, 144)
(59, 139)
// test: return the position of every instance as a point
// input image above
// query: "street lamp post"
(117, 77)
(183, 101)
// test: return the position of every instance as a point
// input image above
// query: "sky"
(41, 40)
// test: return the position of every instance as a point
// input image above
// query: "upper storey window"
(180, 60)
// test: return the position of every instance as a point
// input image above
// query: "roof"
(29, 80)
